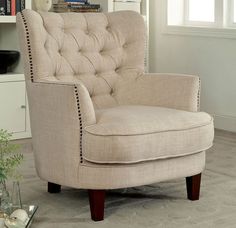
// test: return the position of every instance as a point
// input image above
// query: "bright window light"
(175, 12)
(202, 10)
(234, 11)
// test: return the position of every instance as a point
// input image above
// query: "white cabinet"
(12, 98)
(14, 113)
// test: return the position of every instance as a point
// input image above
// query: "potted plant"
(10, 160)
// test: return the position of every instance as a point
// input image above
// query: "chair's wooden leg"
(54, 188)
(193, 184)
(97, 201)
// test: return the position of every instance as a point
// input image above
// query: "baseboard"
(227, 123)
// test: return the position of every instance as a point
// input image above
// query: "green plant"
(9, 158)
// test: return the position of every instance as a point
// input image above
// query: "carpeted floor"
(161, 205)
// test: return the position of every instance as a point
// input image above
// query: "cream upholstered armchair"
(98, 122)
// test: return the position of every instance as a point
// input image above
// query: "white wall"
(213, 59)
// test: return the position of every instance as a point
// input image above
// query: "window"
(201, 10)
(202, 13)
(234, 13)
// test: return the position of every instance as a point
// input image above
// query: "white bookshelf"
(11, 77)
(12, 19)
(7, 19)
(14, 115)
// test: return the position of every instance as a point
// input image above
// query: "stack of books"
(11, 7)
(80, 6)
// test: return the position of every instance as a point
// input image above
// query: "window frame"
(229, 12)
(217, 11)
(224, 29)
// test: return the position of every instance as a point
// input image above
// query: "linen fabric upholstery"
(115, 176)
(131, 134)
(97, 120)
(56, 129)
(96, 49)
(166, 90)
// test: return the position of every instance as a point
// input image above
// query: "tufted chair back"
(100, 50)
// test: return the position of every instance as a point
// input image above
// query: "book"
(8, 7)
(2, 7)
(79, 6)
(78, 1)
(13, 7)
(88, 6)
(18, 6)
(85, 11)
(76, 11)
(22, 5)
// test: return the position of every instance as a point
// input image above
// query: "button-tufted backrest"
(101, 50)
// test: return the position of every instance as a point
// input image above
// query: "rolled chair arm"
(166, 90)
(59, 112)
(81, 94)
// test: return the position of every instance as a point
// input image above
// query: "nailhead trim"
(198, 95)
(80, 122)
(28, 47)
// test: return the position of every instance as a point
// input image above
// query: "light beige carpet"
(158, 205)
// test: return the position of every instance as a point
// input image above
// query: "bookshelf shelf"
(11, 77)
(7, 19)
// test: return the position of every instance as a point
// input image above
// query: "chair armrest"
(59, 112)
(76, 93)
(165, 90)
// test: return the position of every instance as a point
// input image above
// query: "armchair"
(98, 121)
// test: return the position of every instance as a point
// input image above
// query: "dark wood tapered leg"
(97, 201)
(193, 184)
(54, 188)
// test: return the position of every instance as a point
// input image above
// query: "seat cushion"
(131, 134)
